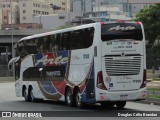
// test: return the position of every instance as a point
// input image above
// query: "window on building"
(63, 3)
(5, 17)
(61, 17)
(24, 4)
(24, 17)
(24, 11)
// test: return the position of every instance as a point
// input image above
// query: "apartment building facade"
(30, 8)
(110, 9)
(5, 8)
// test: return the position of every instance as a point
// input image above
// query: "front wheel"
(68, 97)
(121, 104)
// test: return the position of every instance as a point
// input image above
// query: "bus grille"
(122, 67)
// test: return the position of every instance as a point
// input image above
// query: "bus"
(103, 62)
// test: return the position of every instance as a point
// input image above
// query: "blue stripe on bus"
(87, 97)
(48, 87)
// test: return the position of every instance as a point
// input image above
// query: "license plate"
(123, 97)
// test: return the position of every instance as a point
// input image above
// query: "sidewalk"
(153, 83)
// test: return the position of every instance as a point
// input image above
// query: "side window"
(67, 40)
(46, 44)
(39, 42)
(72, 40)
(53, 43)
(77, 40)
(82, 38)
(30, 47)
(88, 37)
(57, 42)
(20, 45)
(63, 41)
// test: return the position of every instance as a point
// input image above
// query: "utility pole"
(12, 37)
(82, 3)
(98, 10)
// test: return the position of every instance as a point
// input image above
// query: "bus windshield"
(120, 31)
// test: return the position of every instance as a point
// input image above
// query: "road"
(9, 102)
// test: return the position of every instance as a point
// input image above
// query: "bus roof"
(73, 28)
(57, 31)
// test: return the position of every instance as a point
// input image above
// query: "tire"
(121, 104)
(26, 97)
(68, 97)
(77, 99)
(107, 104)
(32, 98)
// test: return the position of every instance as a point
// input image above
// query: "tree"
(150, 17)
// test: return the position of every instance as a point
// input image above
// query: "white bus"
(95, 63)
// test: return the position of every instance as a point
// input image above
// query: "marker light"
(120, 21)
(102, 23)
(138, 23)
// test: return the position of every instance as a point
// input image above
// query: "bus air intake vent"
(121, 67)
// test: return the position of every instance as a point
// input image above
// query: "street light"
(12, 36)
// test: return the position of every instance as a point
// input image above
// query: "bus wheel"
(78, 101)
(26, 98)
(32, 96)
(68, 97)
(107, 104)
(121, 104)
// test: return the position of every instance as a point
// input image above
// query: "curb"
(155, 80)
(6, 79)
(149, 102)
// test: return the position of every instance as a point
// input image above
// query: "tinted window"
(121, 31)
(30, 47)
(72, 40)
(55, 73)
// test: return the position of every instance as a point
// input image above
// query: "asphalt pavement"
(9, 102)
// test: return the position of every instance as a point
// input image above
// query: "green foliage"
(156, 50)
(150, 17)
(153, 96)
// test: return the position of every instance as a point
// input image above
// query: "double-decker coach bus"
(95, 63)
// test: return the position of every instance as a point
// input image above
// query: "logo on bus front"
(108, 79)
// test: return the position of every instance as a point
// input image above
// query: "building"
(30, 8)
(109, 9)
(5, 8)
(59, 5)
(53, 21)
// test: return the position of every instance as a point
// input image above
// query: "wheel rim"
(69, 97)
(32, 96)
(25, 95)
(78, 99)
